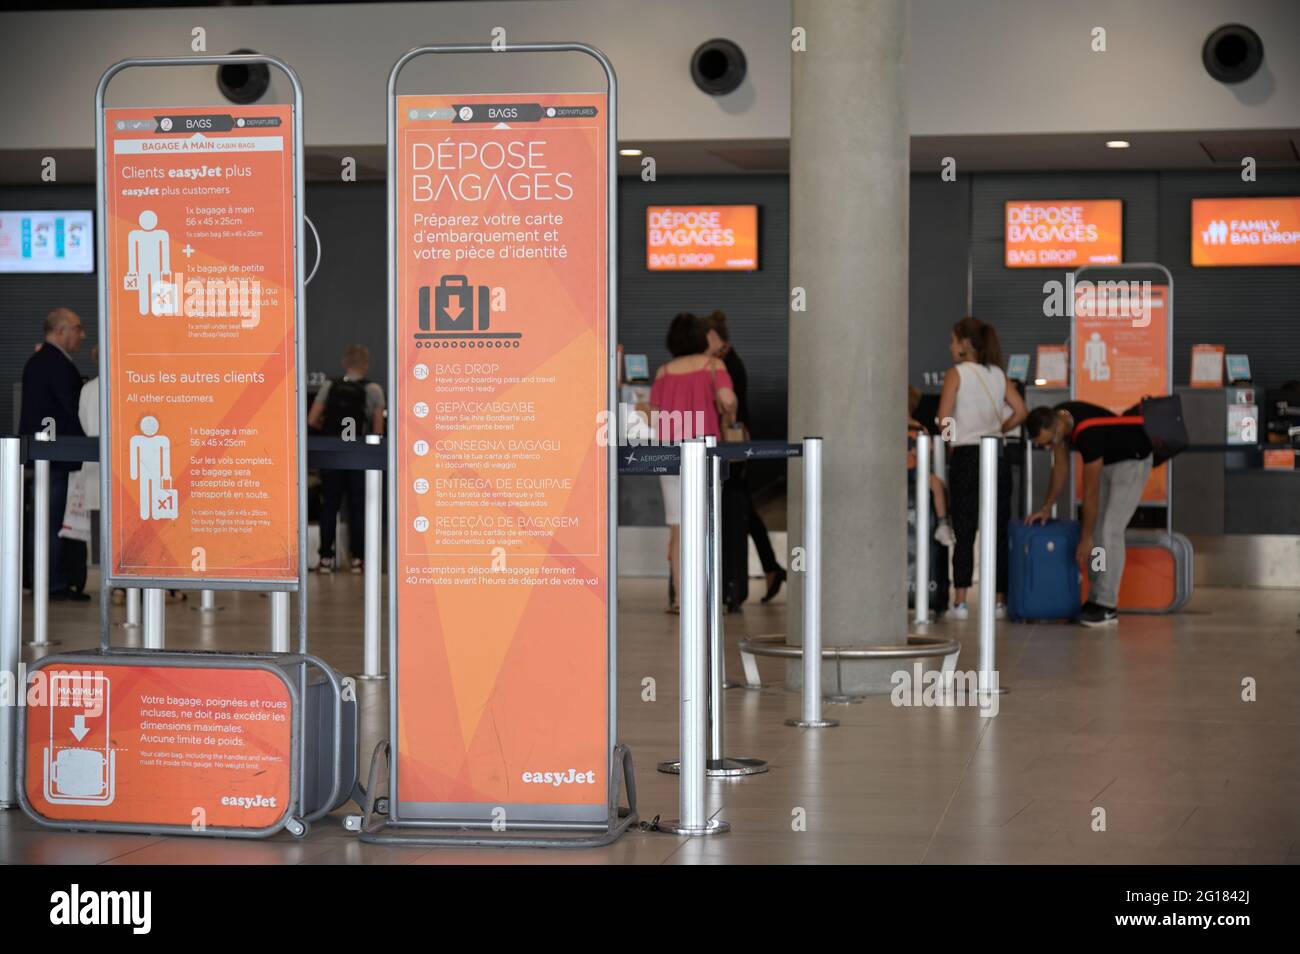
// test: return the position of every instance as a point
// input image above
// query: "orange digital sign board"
(159, 745)
(1227, 232)
(701, 238)
(202, 411)
(501, 529)
(1064, 233)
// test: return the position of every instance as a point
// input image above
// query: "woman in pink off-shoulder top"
(691, 397)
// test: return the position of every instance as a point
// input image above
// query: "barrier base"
(375, 829)
(720, 768)
(713, 826)
(813, 723)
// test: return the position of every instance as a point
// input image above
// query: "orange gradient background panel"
(153, 763)
(1133, 362)
(221, 387)
(502, 630)
(701, 237)
(1064, 233)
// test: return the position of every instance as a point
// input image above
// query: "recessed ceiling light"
(1117, 144)
(629, 152)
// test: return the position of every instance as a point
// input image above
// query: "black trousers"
(964, 507)
(335, 485)
(58, 566)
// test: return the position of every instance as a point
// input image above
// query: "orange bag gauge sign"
(1246, 231)
(1121, 354)
(158, 745)
(501, 483)
(701, 238)
(1064, 233)
(201, 342)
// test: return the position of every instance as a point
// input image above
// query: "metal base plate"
(391, 833)
(364, 678)
(713, 826)
(813, 724)
(211, 609)
(43, 644)
(720, 768)
(999, 691)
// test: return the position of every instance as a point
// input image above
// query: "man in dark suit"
(52, 389)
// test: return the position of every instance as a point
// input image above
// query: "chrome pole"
(693, 598)
(155, 634)
(1028, 475)
(990, 448)
(11, 605)
(812, 589)
(132, 606)
(374, 567)
(207, 601)
(921, 598)
(41, 550)
(280, 622)
(717, 731)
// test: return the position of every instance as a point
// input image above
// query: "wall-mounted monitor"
(47, 242)
(1237, 231)
(701, 238)
(1063, 233)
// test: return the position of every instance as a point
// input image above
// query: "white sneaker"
(959, 611)
(944, 536)
(1000, 611)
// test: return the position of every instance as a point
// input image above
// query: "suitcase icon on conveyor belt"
(454, 305)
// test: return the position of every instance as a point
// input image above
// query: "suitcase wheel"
(297, 827)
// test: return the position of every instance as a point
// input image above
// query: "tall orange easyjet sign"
(201, 305)
(501, 478)
(1120, 351)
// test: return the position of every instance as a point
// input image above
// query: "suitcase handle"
(448, 280)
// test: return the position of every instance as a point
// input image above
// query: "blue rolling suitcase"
(1042, 577)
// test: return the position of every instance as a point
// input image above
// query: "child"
(943, 532)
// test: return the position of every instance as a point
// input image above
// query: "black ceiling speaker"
(718, 67)
(1232, 53)
(243, 83)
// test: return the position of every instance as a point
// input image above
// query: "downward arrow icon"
(79, 727)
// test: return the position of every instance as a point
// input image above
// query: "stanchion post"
(41, 550)
(693, 812)
(374, 567)
(280, 622)
(207, 601)
(132, 606)
(921, 599)
(717, 729)
(812, 589)
(11, 604)
(155, 635)
(1027, 475)
(990, 450)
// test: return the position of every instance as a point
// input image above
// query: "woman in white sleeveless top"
(976, 400)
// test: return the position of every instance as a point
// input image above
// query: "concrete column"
(848, 350)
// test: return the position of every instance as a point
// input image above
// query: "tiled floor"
(1145, 721)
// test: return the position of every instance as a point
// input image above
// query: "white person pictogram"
(148, 256)
(1094, 358)
(151, 465)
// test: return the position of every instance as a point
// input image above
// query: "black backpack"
(346, 399)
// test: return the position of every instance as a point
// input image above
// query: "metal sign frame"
(108, 582)
(1169, 366)
(612, 825)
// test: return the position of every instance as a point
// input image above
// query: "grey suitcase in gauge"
(319, 767)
